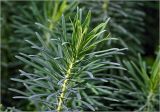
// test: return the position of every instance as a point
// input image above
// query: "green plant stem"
(56, 15)
(149, 102)
(105, 5)
(64, 85)
(68, 73)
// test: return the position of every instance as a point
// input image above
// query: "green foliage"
(127, 21)
(17, 27)
(71, 65)
(66, 73)
(138, 90)
(9, 109)
(32, 18)
(8, 63)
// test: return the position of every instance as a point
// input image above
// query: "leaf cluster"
(66, 73)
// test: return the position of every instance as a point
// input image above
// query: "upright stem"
(74, 58)
(64, 86)
(105, 7)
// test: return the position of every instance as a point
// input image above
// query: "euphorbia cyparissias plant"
(68, 71)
